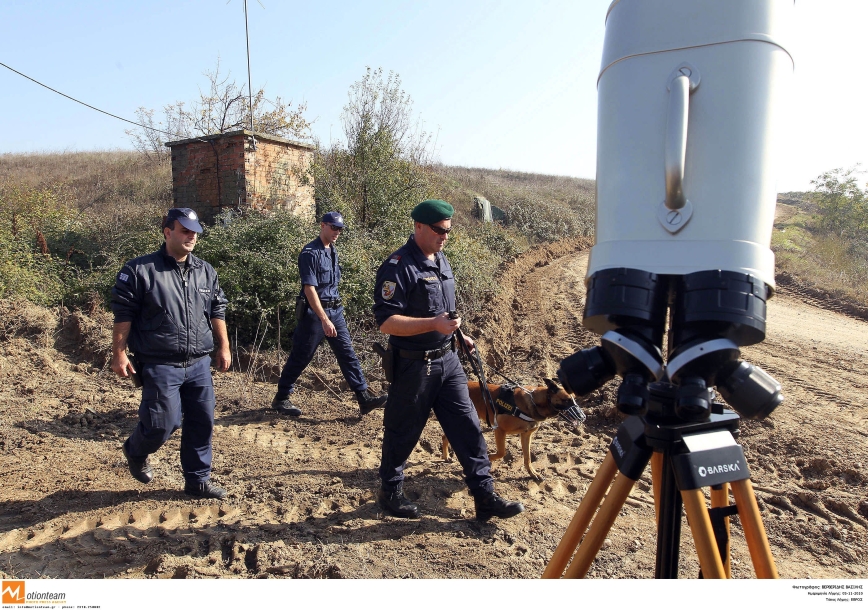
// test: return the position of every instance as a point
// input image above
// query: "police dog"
(537, 404)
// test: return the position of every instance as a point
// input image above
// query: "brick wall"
(213, 173)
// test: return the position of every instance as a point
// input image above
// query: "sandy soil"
(301, 500)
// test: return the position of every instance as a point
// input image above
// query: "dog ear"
(552, 385)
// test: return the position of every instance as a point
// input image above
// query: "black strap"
(718, 517)
(479, 371)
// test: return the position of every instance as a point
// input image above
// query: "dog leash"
(476, 365)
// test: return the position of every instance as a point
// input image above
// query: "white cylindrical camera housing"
(689, 97)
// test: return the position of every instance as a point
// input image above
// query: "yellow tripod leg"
(754, 530)
(703, 535)
(579, 524)
(603, 522)
(720, 499)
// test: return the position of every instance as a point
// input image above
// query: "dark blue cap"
(187, 218)
(333, 218)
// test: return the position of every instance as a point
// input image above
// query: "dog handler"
(413, 295)
(323, 317)
(169, 308)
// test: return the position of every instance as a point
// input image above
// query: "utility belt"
(330, 303)
(389, 354)
(301, 305)
(430, 354)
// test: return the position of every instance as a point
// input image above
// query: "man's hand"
(445, 325)
(222, 353)
(222, 358)
(470, 343)
(121, 365)
(328, 328)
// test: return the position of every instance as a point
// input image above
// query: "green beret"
(432, 210)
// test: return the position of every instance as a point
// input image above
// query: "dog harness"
(505, 403)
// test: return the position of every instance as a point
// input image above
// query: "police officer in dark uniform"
(414, 293)
(169, 308)
(323, 318)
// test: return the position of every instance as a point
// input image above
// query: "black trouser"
(412, 396)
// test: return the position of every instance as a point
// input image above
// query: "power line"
(114, 116)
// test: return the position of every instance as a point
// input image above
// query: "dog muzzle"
(573, 416)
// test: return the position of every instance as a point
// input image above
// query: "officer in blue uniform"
(323, 318)
(413, 295)
(169, 308)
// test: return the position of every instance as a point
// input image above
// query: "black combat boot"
(140, 469)
(204, 489)
(368, 402)
(489, 504)
(397, 503)
(284, 406)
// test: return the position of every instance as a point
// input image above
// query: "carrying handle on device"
(676, 209)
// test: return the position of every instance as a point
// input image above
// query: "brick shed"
(223, 171)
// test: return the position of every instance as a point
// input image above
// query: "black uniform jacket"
(170, 306)
(409, 284)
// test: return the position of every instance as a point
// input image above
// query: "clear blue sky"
(503, 84)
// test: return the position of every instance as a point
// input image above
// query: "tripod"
(685, 456)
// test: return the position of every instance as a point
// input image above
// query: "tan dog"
(540, 403)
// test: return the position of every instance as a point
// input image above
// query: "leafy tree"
(224, 107)
(842, 204)
(384, 166)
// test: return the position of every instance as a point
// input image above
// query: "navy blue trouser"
(412, 396)
(177, 397)
(308, 335)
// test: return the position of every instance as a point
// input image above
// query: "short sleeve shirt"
(410, 284)
(318, 266)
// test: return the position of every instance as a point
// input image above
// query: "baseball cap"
(187, 218)
(333, 218)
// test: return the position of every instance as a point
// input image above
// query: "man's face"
(329, 233)
(179, 239)
(431, 238)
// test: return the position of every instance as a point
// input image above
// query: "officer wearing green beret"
(413, 295)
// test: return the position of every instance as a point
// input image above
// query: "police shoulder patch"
(388, 290)
(123, 277)
(395, 259)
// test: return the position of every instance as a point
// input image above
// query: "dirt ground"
(301, 491)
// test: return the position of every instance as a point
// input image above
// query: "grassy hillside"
(69, 220)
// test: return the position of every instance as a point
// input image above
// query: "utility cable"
(114, 116)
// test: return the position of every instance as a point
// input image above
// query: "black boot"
(204, 489)
(397, 503)
(489, 504)
(140, 469)
(368, 402)
(284, 406)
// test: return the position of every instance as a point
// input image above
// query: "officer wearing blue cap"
(170, 311)
(413, 295)
(322, 318)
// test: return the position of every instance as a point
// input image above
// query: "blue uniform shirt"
(409, 284)
(318, 267)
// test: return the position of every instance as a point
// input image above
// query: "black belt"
(330, 303)
(431, 354)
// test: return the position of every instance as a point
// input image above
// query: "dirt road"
(301, 498)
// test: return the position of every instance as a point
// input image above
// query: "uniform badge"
(123, 277)
(388, 290)
(395, 259)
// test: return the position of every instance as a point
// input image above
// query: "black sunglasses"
(338, 229)
(440, 230)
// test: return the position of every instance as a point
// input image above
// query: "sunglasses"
(338, 229)
(440, 230)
